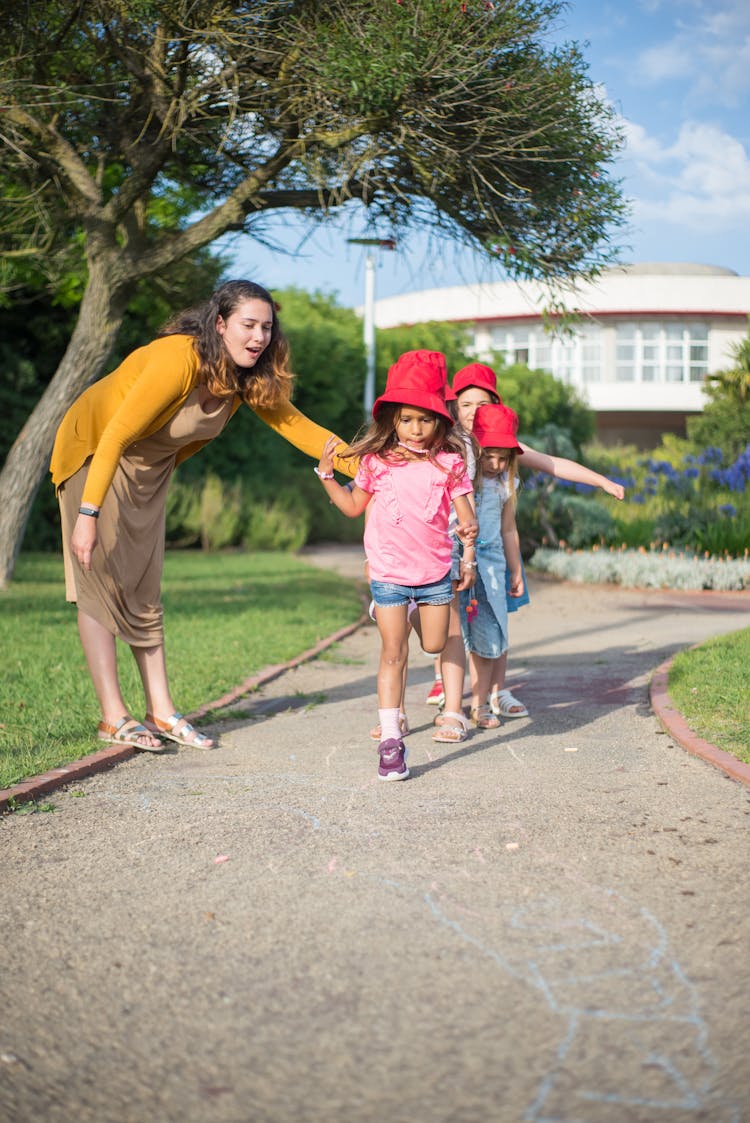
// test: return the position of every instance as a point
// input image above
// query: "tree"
(457, 117)
(725, 420)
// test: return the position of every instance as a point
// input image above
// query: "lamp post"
(369, 316)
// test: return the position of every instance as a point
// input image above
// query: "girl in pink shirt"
(410, 459)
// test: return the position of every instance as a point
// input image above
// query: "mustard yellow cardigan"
(138, 398)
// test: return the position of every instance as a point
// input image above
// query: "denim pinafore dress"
(485, 632)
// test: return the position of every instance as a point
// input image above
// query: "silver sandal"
(187, 735)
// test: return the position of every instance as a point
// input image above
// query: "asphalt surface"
(548, 922)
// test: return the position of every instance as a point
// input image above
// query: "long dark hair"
(380, 437)
(266, 384)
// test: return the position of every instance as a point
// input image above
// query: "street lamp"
(369, 318)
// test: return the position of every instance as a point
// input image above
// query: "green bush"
(631, 529)
(220, 513)
(183, 526)
(552, 511)
(680, 496)
(279, 525)
(725, 536)
(583, 522)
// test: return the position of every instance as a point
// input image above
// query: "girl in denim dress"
(484, 609)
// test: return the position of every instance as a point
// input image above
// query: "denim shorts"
(390, 596)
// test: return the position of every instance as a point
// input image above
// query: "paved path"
(546, 923)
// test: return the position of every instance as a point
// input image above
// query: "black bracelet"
(88, 511)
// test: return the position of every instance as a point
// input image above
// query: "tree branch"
(61, 155)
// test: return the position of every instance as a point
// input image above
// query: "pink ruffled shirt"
(407, 541)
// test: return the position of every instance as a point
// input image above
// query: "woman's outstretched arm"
(305, 434)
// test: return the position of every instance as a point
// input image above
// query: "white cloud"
(710, 48)
(665, 62)
(639, 145)
(702, 178)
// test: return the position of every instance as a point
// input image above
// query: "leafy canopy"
(154, 116)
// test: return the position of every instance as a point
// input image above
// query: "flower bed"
(645, 569)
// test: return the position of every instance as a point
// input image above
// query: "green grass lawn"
(710, 686)
(226, 617)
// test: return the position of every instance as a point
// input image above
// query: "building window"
(590, 354)
(572, 358)
(652, 352)
(626, 353)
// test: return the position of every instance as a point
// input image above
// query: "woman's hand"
(83, 540)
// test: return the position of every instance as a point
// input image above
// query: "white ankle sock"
(389, 726)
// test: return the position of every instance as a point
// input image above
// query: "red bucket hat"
(417, 378)
(476, 374)
(496, 426)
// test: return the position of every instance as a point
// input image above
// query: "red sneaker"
(436, 697)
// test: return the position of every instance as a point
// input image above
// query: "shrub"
(584, 522)
(221, 518)
(650, 569)
(680, 497)
(551, 511)
(183, 512)
(281, 524)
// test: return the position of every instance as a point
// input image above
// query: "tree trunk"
(102, 310)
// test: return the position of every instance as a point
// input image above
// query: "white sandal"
(503, 704)
(452, 731)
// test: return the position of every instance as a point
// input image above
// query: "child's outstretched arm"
(512, 549)
(352, 500)
(563, 469)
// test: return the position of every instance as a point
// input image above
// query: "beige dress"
(122, 591)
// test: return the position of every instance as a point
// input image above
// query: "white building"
(648, 336)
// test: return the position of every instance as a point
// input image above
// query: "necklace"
(418, 451)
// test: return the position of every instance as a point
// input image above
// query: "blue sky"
(677, 73)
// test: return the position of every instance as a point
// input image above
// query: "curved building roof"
(644, 289)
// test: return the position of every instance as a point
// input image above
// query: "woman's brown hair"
(263, 386)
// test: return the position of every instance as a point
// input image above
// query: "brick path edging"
(46, 782)
(679, 730)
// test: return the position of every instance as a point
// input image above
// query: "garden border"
(678, 729)
(46, 782)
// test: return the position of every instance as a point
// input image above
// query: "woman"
(114, 454)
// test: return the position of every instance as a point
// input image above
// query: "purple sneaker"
(392, 760)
